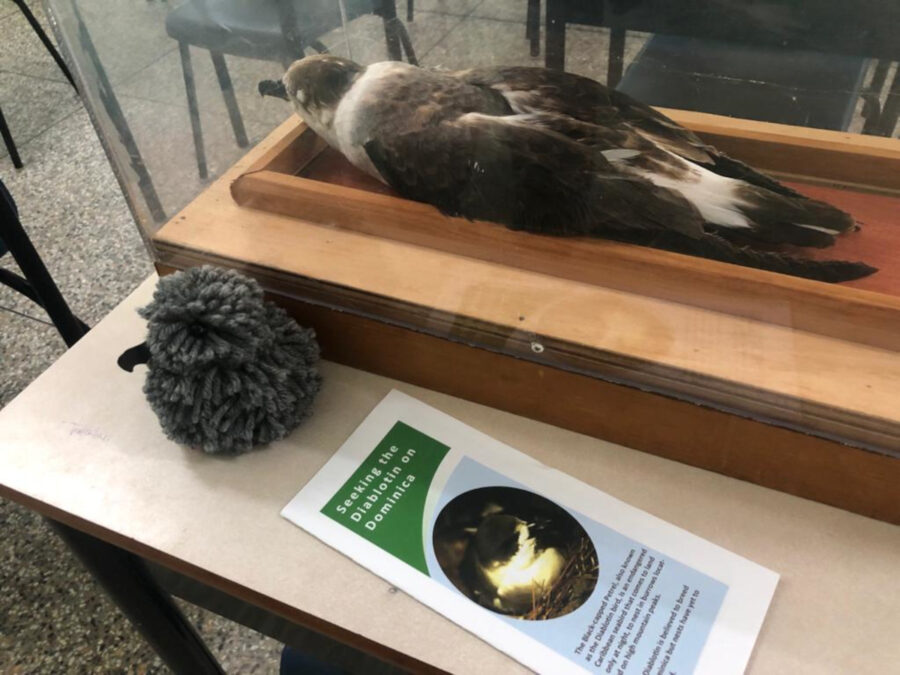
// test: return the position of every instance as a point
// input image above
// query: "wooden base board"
(857, 480)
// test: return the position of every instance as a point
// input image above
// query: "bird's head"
(500, 538)
(316, 84)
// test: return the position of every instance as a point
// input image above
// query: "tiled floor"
(53, 619)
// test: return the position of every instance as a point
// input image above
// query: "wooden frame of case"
(781, 381)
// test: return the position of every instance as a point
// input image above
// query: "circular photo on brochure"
(515, 553)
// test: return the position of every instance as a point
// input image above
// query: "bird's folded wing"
(526, 177)
(538, 89)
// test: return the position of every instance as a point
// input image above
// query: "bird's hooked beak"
(273, 88)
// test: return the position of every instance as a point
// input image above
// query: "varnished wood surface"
(876, 243)
(782, 376)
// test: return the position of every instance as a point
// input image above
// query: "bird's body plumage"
(559, 154)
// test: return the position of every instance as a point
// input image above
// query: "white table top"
(82, 444)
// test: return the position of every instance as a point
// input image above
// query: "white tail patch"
(818, 228)
(715, 197)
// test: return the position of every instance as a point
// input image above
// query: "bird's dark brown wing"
(542, 180)
(543, 90)
(526, 177)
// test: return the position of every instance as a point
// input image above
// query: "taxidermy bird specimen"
(558, 154)
(506, 565)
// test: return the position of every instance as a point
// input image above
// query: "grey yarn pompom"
(227, 370)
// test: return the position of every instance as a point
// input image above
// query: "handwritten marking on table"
(76, 429)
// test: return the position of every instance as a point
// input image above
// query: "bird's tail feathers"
(720, 249)
(733, 168)
(779, 219)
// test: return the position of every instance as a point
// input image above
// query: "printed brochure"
(557, 574)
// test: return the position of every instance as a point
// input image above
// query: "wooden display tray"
(301, 176)
(785, 382)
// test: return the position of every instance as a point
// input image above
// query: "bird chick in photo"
(559, 154)
(507, 566)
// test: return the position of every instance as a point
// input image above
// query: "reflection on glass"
(181, 77)
(175, 90)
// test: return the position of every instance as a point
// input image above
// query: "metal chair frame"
(396, 36)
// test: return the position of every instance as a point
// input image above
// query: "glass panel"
(175, 92)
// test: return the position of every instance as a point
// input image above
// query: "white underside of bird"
(715, 197)
(348, 122)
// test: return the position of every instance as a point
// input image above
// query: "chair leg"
(234, 113)
(879, 76)
(555, 35)
(191, 91)
(891, 110)
(409, 9)
(406, 43)
(533, 26)
(387, 10)
(19, 285)
(125, 577)
(616, 57)
(42, 36)
(10, 143)
(16, 240)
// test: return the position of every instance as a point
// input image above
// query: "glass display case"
(601, 258)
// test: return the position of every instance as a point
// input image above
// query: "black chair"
(558, 15)
(270, 30)
(795, 87)
(776, 28)
(10, 143)
(37, 284)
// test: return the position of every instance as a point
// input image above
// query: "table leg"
(125, 578)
